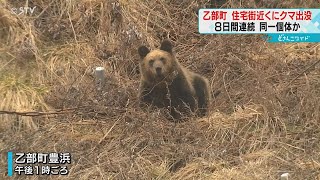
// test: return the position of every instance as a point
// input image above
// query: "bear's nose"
(158, 70)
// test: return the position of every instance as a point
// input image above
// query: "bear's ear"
(166, 46)
(143, 51)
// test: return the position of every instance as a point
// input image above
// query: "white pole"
(100, 77)
(284, 176)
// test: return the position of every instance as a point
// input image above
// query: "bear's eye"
(151, 62)
(163, 60)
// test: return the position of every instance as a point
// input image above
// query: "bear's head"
(157, 64)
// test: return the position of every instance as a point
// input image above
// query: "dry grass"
(264, 122)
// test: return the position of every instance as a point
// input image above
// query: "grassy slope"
(264, 122)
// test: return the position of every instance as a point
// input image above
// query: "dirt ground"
(264, 119)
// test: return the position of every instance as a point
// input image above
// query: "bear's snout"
(159, 71)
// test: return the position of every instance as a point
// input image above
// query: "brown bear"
(167, 84)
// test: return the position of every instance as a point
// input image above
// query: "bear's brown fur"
(166, 84)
